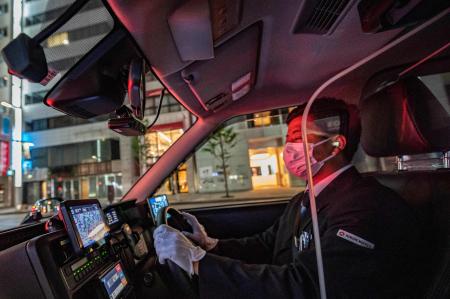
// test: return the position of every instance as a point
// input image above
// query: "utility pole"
(16, 101)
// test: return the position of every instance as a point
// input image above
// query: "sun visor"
(230, 75)
(191, 29)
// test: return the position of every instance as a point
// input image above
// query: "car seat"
(405, 118)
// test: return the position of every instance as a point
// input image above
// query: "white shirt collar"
(326, 181)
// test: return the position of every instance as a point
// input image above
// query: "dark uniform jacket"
(368, 238)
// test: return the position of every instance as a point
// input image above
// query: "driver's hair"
(350, 124)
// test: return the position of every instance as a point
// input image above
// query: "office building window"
(39, 124)
(35, 97)
(91, 153)
(3, 9)
(89, 31)
(3, 81)
(58, 39)
(52, 14)
(268, 118)
(3, 32)
(64, 38)
(39, 157)
(61, 122)
(169, 104)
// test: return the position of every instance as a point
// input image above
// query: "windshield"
(54, 155)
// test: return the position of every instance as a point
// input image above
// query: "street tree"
(219, 146)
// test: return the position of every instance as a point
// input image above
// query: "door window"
(241, 161)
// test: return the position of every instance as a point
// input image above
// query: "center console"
(88, 252)
(97, 254)
(77, 271)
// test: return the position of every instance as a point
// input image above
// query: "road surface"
(10, 220)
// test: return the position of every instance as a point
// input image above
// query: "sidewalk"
(11, 211)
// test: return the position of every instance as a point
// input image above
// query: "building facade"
(6, 113)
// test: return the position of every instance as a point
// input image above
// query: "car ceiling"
(290, 65)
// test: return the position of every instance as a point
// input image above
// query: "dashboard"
(91, 252)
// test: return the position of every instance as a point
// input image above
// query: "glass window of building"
(158, 141)
(3, 32)
(4, 81)
(52, 14)
(3, 8)
(66, 37)
(58, 39)
(169, 104)
(35, 97)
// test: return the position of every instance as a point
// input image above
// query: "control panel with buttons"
(77, 271)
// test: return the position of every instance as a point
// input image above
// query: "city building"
(6, 111)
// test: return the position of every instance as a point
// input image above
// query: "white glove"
(173, 245)
(199, 234)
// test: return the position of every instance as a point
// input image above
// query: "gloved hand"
(199, 234)
(171, 244)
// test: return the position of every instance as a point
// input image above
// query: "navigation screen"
(89, 223)
(111, 217)
(156, 203)
(114, 281)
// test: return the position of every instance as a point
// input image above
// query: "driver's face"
(294, 133)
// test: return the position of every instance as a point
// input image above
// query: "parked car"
(43, 208)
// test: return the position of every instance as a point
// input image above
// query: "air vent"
(320, 17)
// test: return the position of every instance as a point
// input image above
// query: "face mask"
(294, 158)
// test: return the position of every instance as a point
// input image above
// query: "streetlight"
(9, 105)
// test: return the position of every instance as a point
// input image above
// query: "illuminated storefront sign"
(4, 158)
(6, 126)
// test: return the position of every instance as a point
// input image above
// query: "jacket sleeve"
(221, 277)
(350, 270)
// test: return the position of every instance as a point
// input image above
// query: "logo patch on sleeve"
(355, 239)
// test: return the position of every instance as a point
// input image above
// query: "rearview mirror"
(96, 85)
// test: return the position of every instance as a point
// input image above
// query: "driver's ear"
(339, 142)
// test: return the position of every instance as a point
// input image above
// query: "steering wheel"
(173, 218)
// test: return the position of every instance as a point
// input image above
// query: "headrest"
(404, 119)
